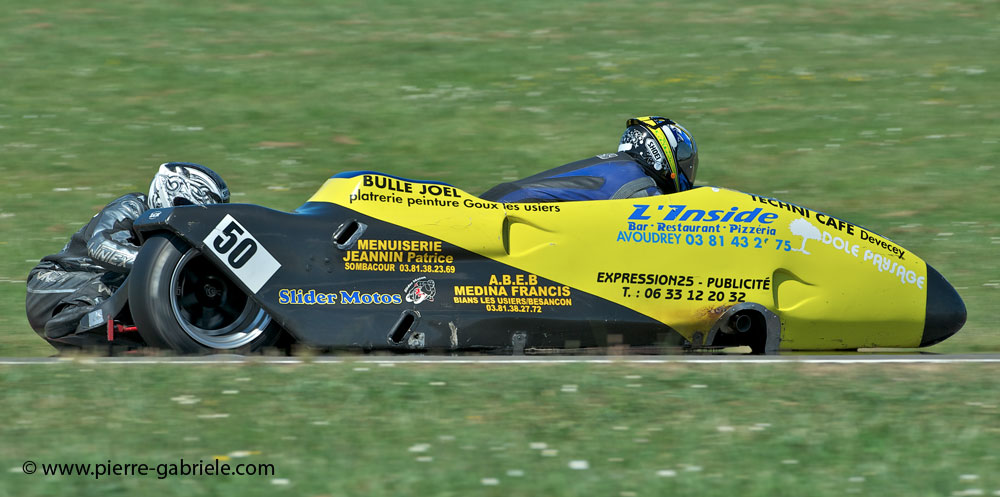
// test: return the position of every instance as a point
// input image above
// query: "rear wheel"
(181, 301)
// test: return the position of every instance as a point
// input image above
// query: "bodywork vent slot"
(398, 332)
(347, 234)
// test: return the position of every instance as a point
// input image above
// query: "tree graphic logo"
(802, 227)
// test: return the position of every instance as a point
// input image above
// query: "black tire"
(182, 302)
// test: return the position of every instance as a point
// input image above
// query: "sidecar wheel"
(182, 302)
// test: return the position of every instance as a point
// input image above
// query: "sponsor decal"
(387, 190)
(397, 185)
(645, 278)
(606, 156)
(294, 296)
(249, 261)
(653, 151)
(683, 213)
(894, 268)
(795, 209)
(305, 297)
(357, 297)
(530, 207)
(520, 293)
(420, 290)
(805, 229)
(681, 225)
(407, 256)
(658, 286)
(834, 223)
(480, 204)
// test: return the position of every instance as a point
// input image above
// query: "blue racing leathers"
(602, 177)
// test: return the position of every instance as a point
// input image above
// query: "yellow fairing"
(681, 259)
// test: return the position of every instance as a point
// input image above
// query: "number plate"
(241, 253)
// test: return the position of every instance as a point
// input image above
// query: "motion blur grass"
(357, 428)
(882, 113)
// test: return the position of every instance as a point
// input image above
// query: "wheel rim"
(210, 308)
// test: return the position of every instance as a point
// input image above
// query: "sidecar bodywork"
(374, 261)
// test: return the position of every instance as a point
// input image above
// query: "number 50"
(240, 250)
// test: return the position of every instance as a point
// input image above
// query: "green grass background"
(882, 113)
(509, 430)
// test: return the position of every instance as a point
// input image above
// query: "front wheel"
(182, 302)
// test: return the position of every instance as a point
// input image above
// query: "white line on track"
(717, 359)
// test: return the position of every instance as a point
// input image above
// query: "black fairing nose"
(945, 309)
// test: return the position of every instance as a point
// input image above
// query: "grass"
(881, 113)
(357, 428)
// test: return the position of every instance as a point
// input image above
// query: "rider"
(65, 286)
(659, 157)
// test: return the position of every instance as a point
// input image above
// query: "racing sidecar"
(374, 261)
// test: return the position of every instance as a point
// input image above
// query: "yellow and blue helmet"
(665, 146)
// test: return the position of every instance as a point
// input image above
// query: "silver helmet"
(186, 183)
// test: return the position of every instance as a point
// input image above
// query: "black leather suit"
(65, 286)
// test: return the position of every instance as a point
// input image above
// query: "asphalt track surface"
(429, 359)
